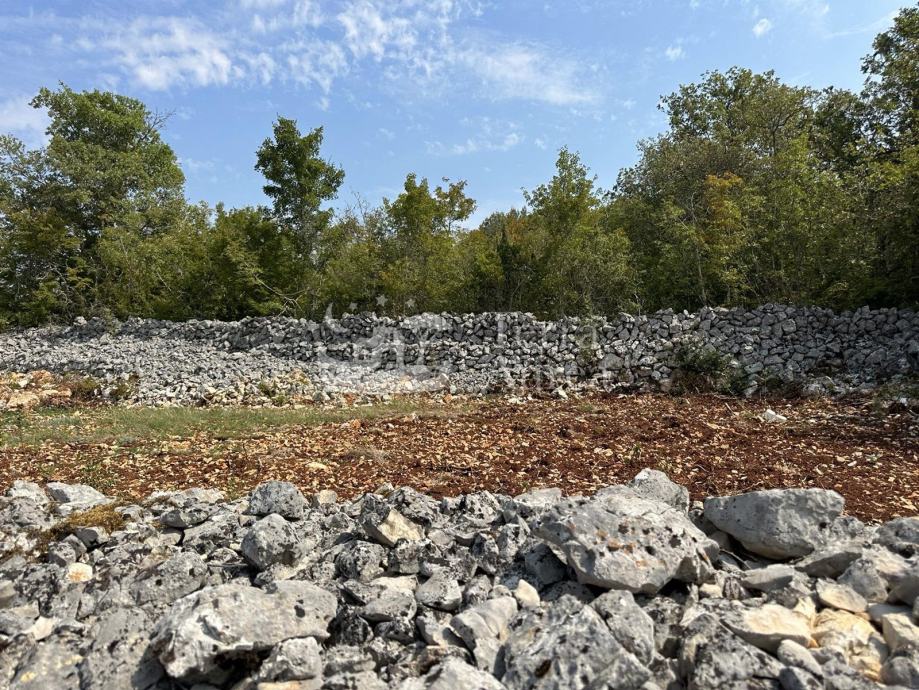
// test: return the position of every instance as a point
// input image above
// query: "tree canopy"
(757, 191)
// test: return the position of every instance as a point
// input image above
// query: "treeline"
(759, 191)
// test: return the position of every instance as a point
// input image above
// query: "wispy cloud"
(674, 53)
(516, 71)
(409, 43)
(160, 52)
(22, 120)
(490, 135)
(762, 27)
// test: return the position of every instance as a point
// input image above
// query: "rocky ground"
(629, 587)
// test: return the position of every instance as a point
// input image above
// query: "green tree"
(583, 263)
(421, 226)
(892, 94)
(737, 202)
(299, 182)
(105, 168)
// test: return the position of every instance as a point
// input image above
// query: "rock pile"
(628, 588)
(198, 361)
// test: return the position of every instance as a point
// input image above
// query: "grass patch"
(105, 516)
(129, 425)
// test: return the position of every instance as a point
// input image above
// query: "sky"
(484, 91)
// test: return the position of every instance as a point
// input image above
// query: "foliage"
(699, 369)
(299, 182)
(758, 191)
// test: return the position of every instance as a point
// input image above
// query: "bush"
(82, 388)
(698, 369)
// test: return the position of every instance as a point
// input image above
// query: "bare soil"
(712, 445)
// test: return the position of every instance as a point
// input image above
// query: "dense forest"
(758, 191)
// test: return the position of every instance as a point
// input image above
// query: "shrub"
(698, 369)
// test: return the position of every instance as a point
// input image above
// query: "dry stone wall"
(193, 360)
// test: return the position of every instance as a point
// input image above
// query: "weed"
(97, 475)
(82, 388)
(698, 369)
(125, 389)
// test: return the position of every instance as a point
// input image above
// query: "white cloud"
(516, 71)
(319, 63)
(674, 53)
(491, 136)
(762, 27)
(415, 45)
(165, 51)
(540, 143)
(306, 13)
(368, 32)
(261, 4)
(21, 119)
(193, 165)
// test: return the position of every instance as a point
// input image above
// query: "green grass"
(127, 425)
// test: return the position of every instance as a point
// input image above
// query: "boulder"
(270, 540)
(767, 625)
(299, 658)
(617, 540)
(73, 498)
(777, 523)
(279, 498)
(453, 674)
(386, 525)
(568, 646)
(440, 591)
(654, 485)
(233, 620)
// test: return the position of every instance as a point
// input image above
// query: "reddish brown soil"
(715, 446)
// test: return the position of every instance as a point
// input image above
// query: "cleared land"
(713, 445)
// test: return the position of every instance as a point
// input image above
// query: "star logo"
(381, 300)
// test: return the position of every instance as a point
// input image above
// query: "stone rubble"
(631, 587)
(160, 362)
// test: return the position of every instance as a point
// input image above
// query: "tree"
(738, 201)
(105, 168)
(421, 226)
(892, 94)
(299, 182)
(582, 263)
(892, 86)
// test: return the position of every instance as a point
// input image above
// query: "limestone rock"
(568, 646)
(654, 485)
(453, 674)
(767, 625)
(270, 540)
(711, 656)
(279, 498)
(619, 541)
(230, 620)
(440, 591)
(483, 628)
(387, 525)
(841, 597)
(777, 523)
(299, 658)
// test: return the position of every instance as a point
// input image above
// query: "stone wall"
(496, 350)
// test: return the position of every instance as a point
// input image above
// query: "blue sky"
(481, 91)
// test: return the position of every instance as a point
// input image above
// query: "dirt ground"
(710, 444)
